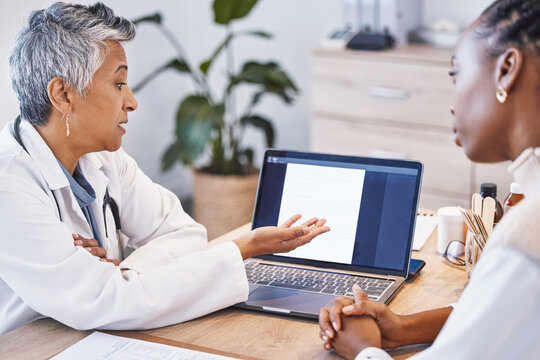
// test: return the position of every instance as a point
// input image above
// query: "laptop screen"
(369, 204)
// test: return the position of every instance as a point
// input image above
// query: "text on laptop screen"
(367, 206)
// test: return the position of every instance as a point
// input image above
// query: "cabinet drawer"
(447, 171)
(415, 93)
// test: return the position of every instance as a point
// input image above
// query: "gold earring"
(67, 123)
(501, 94)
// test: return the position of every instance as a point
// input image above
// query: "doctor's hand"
(285, 238)
(92, 246)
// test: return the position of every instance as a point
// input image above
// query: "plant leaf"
(270, 77)
(195, 119)
(205, 65)
(170, 157)
(259, 33)
(271, 72)
(256, 98)
(261, 123)
(217, 162)
(153, 18)
(248, 153)
(227, 10)
(276, 90)
(178, 64)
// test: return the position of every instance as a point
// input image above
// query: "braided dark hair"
(511, 23)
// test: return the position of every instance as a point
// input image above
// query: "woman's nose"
(130, 103)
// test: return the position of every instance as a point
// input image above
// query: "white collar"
(42, 156)
(526, 170)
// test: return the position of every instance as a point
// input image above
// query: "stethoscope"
(107, 200)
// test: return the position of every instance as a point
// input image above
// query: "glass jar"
(473, 250)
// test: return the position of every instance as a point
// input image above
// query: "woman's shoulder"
(18, 177)
(519, 228)
(15, 163)
(9, 148)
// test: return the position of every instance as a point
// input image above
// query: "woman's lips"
(121, 127)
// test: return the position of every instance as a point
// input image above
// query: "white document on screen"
(325, 192)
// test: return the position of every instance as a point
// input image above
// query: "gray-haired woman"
(66, 186)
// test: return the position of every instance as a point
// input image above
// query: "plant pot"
(223, 202)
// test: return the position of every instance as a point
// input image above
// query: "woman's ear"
(59, 94)
(508, 68)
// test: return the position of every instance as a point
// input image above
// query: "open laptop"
(370, 205)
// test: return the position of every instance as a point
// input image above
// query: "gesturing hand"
(92, 246)
(272, 239)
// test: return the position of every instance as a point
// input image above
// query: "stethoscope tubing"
(107, 200)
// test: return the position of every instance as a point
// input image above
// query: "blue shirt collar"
(83, 191)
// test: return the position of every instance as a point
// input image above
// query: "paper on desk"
(425, 224)
(101, 346)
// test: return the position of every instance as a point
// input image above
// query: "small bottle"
(515, 196)
(490, 190)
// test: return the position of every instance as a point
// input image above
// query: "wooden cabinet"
(395, 104)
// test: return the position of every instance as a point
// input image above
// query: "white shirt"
(498, 315)
(173, 277)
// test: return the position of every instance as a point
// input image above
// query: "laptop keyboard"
(314, 281)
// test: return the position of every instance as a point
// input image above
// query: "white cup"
(451, 227)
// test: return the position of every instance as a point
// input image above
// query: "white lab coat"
(173, 277)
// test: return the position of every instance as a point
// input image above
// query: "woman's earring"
(501, 94)
(67, 123)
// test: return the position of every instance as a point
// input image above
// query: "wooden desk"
(249, 334)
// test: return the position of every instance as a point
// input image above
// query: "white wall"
(461, 11)
(297, 26)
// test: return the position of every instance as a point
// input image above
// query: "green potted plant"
(209, 129)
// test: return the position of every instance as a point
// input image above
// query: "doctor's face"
(97, 120)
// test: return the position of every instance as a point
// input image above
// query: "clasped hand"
(351, 325)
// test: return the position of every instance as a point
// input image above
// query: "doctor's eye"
(120, 84)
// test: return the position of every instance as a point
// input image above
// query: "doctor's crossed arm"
(92, 246)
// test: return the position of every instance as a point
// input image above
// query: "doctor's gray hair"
(66, 41)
